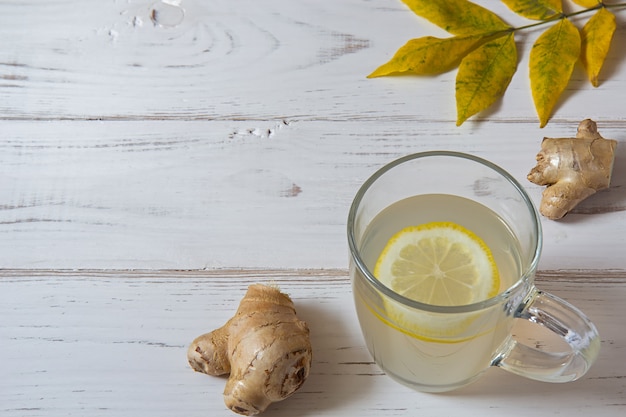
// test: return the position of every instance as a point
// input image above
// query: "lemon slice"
(441, 264)
(438, 263)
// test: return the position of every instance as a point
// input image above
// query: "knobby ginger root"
(265, 348)
(573, 169)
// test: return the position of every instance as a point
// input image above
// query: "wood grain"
(158, 156)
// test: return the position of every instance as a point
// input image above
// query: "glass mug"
(437, 348)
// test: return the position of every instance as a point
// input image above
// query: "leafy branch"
(484, 51)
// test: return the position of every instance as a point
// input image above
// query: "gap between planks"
(292, 275)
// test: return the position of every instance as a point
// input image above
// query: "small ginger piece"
(573, 169)
(265, 348)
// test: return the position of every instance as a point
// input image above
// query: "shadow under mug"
(441, 348)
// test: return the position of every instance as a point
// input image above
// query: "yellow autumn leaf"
(596, 38)
(535, 9)
(428, 55)
(484, 76)
(587, 3)
(458, 17)
(552, 60)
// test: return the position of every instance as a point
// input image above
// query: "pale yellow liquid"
(468, 342)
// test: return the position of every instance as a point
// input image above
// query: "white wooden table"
(158, 157)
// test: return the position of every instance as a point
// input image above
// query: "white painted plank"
(248, 59)
(114, 343)
(195, 195)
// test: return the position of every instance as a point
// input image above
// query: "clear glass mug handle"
(564, 320)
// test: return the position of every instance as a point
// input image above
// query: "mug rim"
(526, 275)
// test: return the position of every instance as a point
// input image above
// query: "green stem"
(567, 16)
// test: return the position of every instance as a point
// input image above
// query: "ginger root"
(265, 348)
(573, 169)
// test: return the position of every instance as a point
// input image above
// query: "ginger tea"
(424, 348)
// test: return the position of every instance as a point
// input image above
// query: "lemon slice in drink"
(441, 264)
